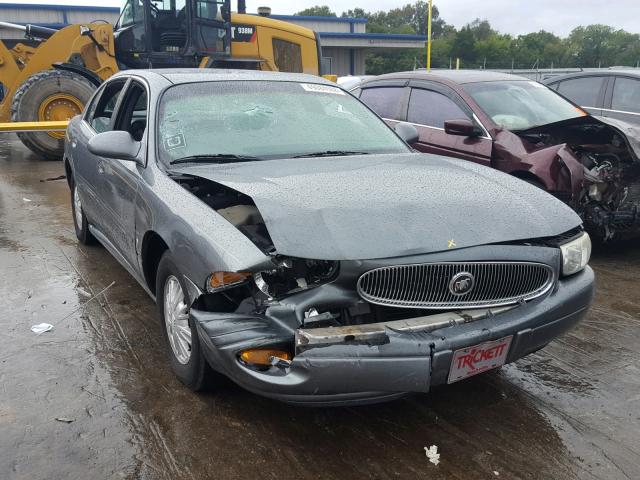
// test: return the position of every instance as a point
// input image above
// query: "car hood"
(629, 130)
(379, 206)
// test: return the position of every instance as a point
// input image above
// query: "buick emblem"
(462, 283)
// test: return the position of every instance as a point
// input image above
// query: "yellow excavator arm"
(66, 45)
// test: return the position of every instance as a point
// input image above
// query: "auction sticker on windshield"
(479, 358)
(314, 87)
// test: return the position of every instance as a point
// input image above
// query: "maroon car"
(523, 128)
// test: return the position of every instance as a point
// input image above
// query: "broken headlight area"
(293, 275)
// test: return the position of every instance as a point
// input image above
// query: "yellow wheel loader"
(47, 82)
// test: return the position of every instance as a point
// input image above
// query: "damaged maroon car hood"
(378, 206)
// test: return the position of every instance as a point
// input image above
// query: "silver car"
(294, 242)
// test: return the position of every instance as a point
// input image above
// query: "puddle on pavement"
(560, 413)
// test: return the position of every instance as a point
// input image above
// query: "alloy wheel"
(176, 318)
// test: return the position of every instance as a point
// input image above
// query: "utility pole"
(429, 36)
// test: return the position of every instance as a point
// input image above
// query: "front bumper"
(363, 371)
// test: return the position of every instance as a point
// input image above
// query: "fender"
(80, 70)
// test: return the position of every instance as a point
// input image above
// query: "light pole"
(429, 36)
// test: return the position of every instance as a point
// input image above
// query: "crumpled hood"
(378, 206)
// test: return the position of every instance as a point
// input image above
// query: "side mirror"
(462, 128)
(115, 144)
(407, 132)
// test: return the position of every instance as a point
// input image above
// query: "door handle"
(100, 167)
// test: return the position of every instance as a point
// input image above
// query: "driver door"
(89, 167)
(121, 178)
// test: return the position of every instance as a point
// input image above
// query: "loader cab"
(172, 33)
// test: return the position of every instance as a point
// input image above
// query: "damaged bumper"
(380, 361)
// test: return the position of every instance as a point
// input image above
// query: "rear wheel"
(183, 344)
(52, 95)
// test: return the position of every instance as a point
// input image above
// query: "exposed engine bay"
(607, 196)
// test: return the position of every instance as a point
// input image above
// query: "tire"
(35, 93)
(80, 222)
(193, 371)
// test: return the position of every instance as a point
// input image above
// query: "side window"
(131, 13)
(583, 91)
(91, 106)
(209, 9)
(132, 116)
(432, 109)
(100, 118)
(626, 95)
(385, 101)
(287, 56)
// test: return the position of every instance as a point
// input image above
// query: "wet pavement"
(95, 397)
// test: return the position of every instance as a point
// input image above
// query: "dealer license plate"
(479, 358)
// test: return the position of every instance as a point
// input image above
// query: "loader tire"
(52, 95)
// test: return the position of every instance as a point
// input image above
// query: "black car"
(608, 93)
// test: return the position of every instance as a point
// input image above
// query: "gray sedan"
(294, 243)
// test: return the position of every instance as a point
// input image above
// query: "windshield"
(267, 120)
(521, 105)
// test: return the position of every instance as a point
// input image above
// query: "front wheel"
(185, 353)
(80, 222)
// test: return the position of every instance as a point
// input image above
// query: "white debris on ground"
(41, 328)
(496, 473)
(83, 292)
(432, 454)
(65, 419)
(25, 199)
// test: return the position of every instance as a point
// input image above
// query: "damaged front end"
(339, 330)
(605, 188)
(309, 336)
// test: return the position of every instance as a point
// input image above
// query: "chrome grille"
(428, 285)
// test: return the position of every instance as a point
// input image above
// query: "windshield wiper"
(215, 158)
(331, 153)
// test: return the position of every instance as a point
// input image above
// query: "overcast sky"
(508, 16)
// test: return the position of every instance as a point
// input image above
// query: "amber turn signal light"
(263, 356)
(221, 280)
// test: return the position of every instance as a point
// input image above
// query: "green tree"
(317, 11)
(591, 45)
(355, 13)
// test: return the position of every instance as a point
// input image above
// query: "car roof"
(191, 75)
(628, 72)
(453, 76)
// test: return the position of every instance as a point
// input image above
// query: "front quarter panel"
(198, 237)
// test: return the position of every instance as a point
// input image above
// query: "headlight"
(576, 254)
(295, 274)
